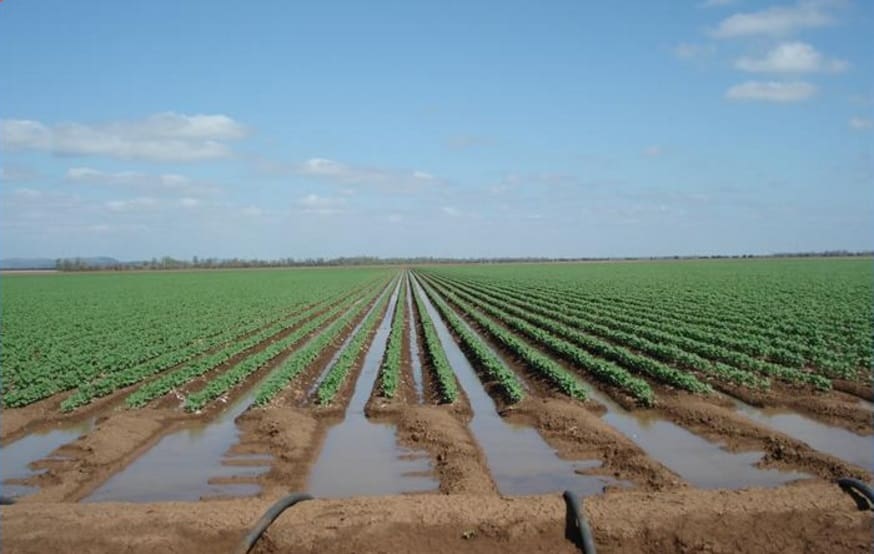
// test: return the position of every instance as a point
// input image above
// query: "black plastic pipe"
(576, 526)
(269, 516)
(860, 492)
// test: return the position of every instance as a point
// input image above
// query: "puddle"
(361, 457)
(181, 464)
(415, 352)
(519, 460)
(838, 442)
(15, 456)
(700, 462)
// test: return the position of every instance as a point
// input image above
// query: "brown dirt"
(859, 390)
(832, 407)
(291, 435)
(717, 423)
(578, 432)
(458, 460)
(805, 518)
(115, 442)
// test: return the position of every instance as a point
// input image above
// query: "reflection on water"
(830, 439)
(415, 352)
(520, 461)
(360, 457)
(16, 456)
(181, 464)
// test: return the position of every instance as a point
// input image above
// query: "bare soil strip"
(804, 518)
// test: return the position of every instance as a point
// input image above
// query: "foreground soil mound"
(813, 517)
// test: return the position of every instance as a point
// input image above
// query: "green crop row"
(510, 386)
(390, 368)
(655, 339)
(551, 317)
(336, 376)
(304, 357)
(436, 356)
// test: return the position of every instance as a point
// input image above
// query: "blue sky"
(274, 129)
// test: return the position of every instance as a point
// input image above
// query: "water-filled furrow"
(695, 459)
(180, 466)
(15, 457)
(830, 439)
(519, 460)
(415, 351)
(362, 457)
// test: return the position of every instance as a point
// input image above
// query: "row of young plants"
(233, 342)
(792, 344)
(181, 376)
(337, 374)
(390, 367)
(35, 385)
(622, 356)
(622, 328)
(304, 357)
(510, 386)
(443, 374)
(601, 369)
(623, 348)
(744, 340)
(73, 330)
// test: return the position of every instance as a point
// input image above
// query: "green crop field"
(99, 332)
(686, 324)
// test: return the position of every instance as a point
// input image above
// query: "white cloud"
(322, 205)
(163, 137)
(166, 182)
(771, 91)
(134, 205)
(451, 211)
(792, 57)
(394, 180)
(861, 123)
(653, 151)
(774, 21)
(188, 202)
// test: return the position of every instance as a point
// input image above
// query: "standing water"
(519, 459)
(15, 457)
(361, 457)
(698, 461)
(415, 353)
(830, 439)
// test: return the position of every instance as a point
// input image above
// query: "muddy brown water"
(15, 457)
(830, 439)
(519, 460)
(181, 464)
(361, 457)
(702, 463)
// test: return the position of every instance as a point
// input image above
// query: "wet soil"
(798, 519)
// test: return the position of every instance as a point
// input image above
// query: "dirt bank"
(804, 518)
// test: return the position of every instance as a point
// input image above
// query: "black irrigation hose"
(6, 500)
(576, 527)
(269, 516)
(859, 491)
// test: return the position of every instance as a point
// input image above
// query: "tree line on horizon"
(169, 263)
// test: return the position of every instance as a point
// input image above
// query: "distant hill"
(49, 263)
